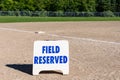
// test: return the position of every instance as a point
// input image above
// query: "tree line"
(61, 5)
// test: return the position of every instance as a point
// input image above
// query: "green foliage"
(60, 5)
(117, 5)
(108, 14)
(89, 14)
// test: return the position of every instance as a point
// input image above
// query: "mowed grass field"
(4, 19)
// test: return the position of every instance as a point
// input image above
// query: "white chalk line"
(68, 37)
(54, 35)
(85, 39)
(16, 30)
(10, 29)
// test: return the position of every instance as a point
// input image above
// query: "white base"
(37, 70)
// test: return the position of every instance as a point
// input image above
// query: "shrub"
(89, 14)
(108, 14)
(43, 13)
(60, 13)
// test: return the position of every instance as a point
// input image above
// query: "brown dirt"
(89, 60)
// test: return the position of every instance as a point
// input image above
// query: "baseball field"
(94, 49)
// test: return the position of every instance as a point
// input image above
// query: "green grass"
(4, 19)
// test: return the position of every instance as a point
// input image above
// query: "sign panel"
(51, 55)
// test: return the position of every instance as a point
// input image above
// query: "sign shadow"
(26, 68)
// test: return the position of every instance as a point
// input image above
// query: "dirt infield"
(94, 49)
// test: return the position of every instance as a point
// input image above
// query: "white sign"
(51, 55)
